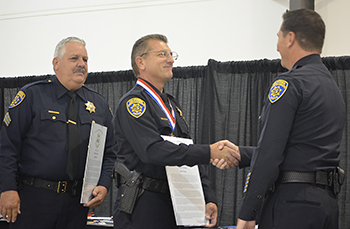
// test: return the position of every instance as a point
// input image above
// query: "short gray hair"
(60, 47)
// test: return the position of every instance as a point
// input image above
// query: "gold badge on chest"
(90, 106)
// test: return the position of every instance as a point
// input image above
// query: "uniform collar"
(157, 91)
(62, 90)
(310, 59)
(153, 87)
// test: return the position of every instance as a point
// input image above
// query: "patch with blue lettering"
(136, 107)
(18, 99)
(278, 88)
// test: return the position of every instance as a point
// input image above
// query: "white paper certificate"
(186, 191)
(93, 161)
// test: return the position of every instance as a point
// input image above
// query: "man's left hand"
(99, 194)
(211, 213)
(242, 224)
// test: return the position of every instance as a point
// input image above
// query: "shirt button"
(259, 197)
(53, 117)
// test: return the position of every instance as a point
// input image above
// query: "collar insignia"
(90, 106)
(181, 115)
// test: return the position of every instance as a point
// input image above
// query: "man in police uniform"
(295, 162)
(142, 116)
(34, 142)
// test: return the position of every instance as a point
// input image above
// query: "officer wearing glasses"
(142, 116)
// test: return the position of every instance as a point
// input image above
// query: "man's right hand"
(221, 150)
(10, 205)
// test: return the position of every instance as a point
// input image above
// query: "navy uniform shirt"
(140, 145)
(302, 124)
(34, 133)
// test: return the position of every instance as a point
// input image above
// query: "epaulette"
(90, 89)
(93, 91)
(20, 96)
(46, 81)
(135, 91)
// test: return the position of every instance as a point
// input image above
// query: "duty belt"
(151, 184)
(318, 177)
(60, 187)
(154, 185)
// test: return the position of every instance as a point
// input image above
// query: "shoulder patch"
(18, 99)
(278, 88)
(136, 107)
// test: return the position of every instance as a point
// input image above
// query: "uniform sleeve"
(143, 134)
(246, 155)
(209, 194)
(277, 119)
(15, 126)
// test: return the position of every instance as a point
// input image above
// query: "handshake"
(224, 154)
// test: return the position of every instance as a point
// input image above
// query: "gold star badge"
(90, 106)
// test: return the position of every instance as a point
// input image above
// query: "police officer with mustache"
(43, 146)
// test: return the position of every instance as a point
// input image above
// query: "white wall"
(198, 30)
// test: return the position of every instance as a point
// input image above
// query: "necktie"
(165, 100)
(73, 138)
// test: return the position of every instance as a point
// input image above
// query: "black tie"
(73, 138)
(165, 100)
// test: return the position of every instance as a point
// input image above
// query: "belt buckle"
(62, 187)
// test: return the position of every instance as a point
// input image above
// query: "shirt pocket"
(85, 125)
(163, 125)
(53, 125)
(182, 126)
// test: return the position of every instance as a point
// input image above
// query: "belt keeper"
(62, 187)
(330, 178)
(31, 182)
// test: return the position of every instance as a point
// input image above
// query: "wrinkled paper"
(186, 190)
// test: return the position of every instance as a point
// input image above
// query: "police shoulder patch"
(18, 99)
(278, 88)
(136, 107)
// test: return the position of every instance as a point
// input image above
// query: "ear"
(140, 63)
(55, 63)
(291, 39)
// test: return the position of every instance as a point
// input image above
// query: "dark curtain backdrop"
(222, 100)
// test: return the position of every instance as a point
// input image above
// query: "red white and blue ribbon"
(155, 96)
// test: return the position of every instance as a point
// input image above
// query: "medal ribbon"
(155, 96)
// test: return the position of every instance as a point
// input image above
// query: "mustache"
(79, 70)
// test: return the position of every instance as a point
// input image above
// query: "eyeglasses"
(164, 53)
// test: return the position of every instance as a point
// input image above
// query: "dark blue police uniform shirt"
(302, 124)
(34, 134)
(141, 147)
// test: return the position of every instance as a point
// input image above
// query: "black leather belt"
(155, 185)
(150, 184)
(318, 177)
(60, 187)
